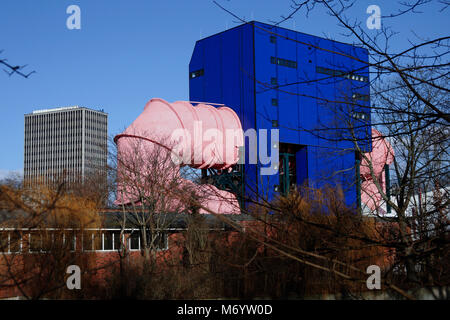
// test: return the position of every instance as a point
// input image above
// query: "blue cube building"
(310, 88)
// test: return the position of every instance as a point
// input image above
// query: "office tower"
(67, 143)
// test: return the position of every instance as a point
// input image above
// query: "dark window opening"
(275, 123)
(342, 74)
(108, 240)
(275, 102)
(360, 116)
(196, 74)
(273, 39)
(159, 241)
(14, 241)
(3, 241)
(361, 97)
(48, 241)
(288, 167)
(273, 81)
(133, 241)
(70, 240)
(35, 242)
(117, 240)
(88, 241)
(283, 62)
(98, 241)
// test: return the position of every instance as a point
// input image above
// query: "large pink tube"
(203, 136)
(160, 121)
(382, 154)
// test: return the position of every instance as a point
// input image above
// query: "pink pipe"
(154, 128)
(382, 154)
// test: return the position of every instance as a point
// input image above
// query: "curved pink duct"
(206, 136)
(382, 154)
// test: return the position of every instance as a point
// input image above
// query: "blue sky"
(128, 52)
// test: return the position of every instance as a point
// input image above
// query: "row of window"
(361, 97)
(109, 240)
(52, 131)
(53, 122)
(50, 150)
(60, 133)
(48, 168)
(52, 160)
(51, 165)
(360, 116)
(33, 179)
(52, 141)
(283, 62)
(62, 128)
(63, 148)
(95, 128)
(51, 137)
(355, 96)
(356, 115)
(293, 64)
(342, 74)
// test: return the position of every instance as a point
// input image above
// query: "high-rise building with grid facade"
(68, 143)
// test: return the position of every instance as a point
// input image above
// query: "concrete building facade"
(68, 142)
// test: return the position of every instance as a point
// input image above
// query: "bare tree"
(39, 227)
(147, 179)
(410, 106)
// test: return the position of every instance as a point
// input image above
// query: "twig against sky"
(11, 69)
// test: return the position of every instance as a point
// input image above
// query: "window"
(117, 240)
(360, 116)
(108, 240)
(48, 239)
(134, 241)
(283, 62)
(288, 167)
(196, 74)
(275, 102)
(275, 123)
(35, 241)
(361, 97)
(4, 239)
(159, 242)
(88, 238)
(273, 81)
(98, 245)
(342, 74)
(273, 39)
(70, 240)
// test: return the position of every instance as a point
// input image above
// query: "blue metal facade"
(309, 86)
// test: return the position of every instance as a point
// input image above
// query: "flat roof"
(273, 26)
(59, 109)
